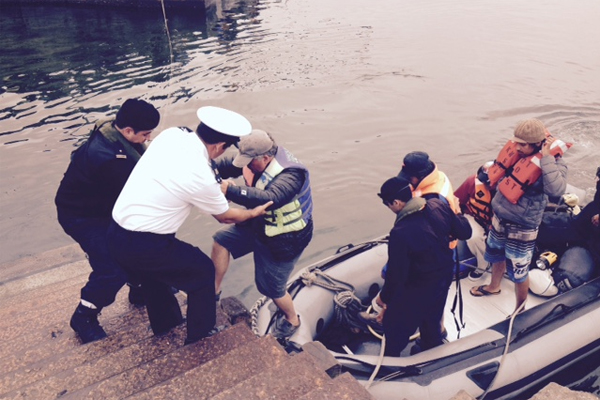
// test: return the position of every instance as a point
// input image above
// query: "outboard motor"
(576, 266)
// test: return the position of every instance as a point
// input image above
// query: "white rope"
(319, 278)
(379, 362)
(171, 55)
(508, 335)
(254, 314)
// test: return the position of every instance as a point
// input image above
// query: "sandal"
(479, 291)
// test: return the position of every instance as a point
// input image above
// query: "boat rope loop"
(346, 304)
(346, 308)
(319, 278)
(506, 346)
(254, 314)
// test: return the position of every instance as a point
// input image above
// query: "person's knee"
(518, 269)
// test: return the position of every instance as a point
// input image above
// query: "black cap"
(138, 115)
(416, 164)
(395, 188)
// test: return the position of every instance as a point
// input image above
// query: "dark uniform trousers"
(160, 262)
(107, 277)
(417, 305)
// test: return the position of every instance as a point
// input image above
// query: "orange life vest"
(480, 204)
(507, 157)
(520, 173)
(438, 183)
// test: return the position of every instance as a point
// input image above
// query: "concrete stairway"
(41, 358)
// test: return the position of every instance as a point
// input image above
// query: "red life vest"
(520, 173)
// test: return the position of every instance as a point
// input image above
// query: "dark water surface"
(349, 86)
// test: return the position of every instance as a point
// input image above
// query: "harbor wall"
(111, 3)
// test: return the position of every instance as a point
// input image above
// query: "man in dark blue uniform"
(420, 266)
(85, 199)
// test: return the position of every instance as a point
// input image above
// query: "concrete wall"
(112, 3)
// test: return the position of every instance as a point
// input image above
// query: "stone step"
(52, 309)
(64, 352)
(217, 375)
(37, 298)
(287, 381)
(42, 358)
(34, 264)
(56, 330)
(340, 388)
(57, 362)
(151, 371)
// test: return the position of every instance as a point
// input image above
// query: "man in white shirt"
(175, 175)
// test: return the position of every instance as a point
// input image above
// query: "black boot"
(85, 323)
(136, 296)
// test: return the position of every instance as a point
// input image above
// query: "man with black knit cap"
(98, 171)
(420, 266)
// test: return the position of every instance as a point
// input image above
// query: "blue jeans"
(270, 275)
(107, 277)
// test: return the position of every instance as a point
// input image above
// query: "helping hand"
(261, 210)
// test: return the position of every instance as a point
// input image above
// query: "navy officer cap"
(223, 121)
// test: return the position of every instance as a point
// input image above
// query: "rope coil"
(346, 304)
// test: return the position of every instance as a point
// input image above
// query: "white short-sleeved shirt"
(173, 175)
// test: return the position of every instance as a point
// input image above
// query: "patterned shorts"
(512, 243)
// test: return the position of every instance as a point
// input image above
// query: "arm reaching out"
(237, 215)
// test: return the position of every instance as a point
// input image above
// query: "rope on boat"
(319, 278)
(508, 335)
(378, 366)
(254, 314)
(346, 308)
(346, 304)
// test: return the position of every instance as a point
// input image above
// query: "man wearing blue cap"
(98, 171)
(174, 176)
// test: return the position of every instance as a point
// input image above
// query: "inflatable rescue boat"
(491, 352)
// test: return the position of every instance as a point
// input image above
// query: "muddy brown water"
(348, 86)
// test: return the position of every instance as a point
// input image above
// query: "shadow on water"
(56, 55)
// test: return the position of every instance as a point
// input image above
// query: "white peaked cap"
(224, 121)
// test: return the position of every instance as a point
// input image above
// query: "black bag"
(557, 231)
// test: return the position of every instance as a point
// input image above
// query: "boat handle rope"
(506, 346)
(378, 365)
(319, 278)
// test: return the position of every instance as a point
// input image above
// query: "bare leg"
(498, 270)
(521, 291)
(220, 257)
(286, 305)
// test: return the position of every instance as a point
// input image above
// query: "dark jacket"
(97, 173)
(530, 208)
(281, 190)
(418, 249)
